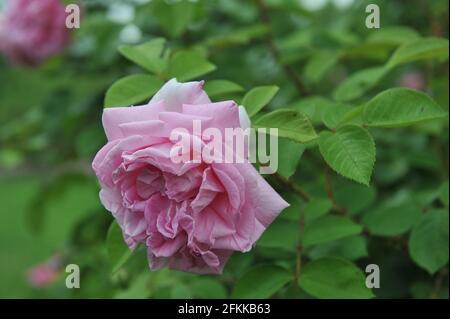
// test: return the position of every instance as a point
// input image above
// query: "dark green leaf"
(334, 278)
(428, 243)
(261, 282)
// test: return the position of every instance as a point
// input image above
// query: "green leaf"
(258, 97)
(444, 193)
(392, 220)
(317, 207)
(400, 106)
(289, 154)
(428, 243)
(350, 151)
(333, 116)
(186, 65)
(354, 197)
(150, 55)
(221, 87)
(393, 36)
(313, 107)
(280, 234)
(174, 17)
(291, 124)
(261, 282)
(131, 90)
(334, 278)
(351, 248)
(359, 83)
(139, 289)
(329, 228)
(208, 288)
(118, 251)
(422, 49)
(320, 64)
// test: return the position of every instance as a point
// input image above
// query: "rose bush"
(31, 31)
(191, 216)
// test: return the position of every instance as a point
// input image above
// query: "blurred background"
(50, 129)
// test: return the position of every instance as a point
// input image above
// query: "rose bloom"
(413, 80)
(44, 274)
(191, 216)
(31, 31)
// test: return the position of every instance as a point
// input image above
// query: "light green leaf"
(329, 228)
(221, 87)
(258, 97)
(392, 220)
(359, 83)
(428, 243)
(280, 234)
(350, 151)
(313, 107)
(320, 64)
(150, 55)
(399, 107)
(289, 154)
(422, 49)
(291, 124)
(333, 116)
(393, 36)
(261, 282)
(132, 89)
(186, 65)
(334, 278)
(118, 251)
(351, 248)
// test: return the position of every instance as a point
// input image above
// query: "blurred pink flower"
(32, 30)
(43, 275)
(413, 80)
(191, 215)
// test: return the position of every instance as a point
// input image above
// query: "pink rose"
(413, 80)
(191, 216)
(43, 275)
(31, 31)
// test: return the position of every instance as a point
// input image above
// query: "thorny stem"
(288, 70)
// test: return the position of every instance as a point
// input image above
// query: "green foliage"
(221, 87)
(350, 151)
(290, 124)
(399, 107)
(392, 220)
(131, 90)
(329, 228)
(336, 91)
(151, 55)
(118, 251)
(428, 244)
(258, 97)
(261, 282)
(334, 278)
(189, 64)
